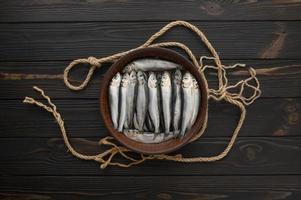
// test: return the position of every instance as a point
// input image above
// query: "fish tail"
(136, 123)
(181, 136)
(175, 126)
(126, 125)
(115, 124)
(182, 133)
(120, 126)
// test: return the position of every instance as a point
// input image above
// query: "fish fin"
(145, 128)
(181, 133)
(175, 133)
(126, 124)
(149, 123)
(181, 136)
(135, 121)
(155, 136)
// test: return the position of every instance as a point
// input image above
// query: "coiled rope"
(222, 93)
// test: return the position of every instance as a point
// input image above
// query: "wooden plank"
(278, 78)
(250, 155)
(68, 10)
(154, 187)
(67, 41)
(82, 118)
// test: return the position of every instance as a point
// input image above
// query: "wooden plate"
(167, 146)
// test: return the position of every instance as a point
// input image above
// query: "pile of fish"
(153, 100)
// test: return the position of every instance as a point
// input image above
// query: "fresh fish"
(130, 100)
(153, 106)
(123, 104)
(187, 102)
(145, 129)
(142, 100)
(114, 98)
(196, 101)
(166, 94)
(161, 124)
(149, 123)
(151, 64)
(177, 100)
(148, 137)
(136, 126)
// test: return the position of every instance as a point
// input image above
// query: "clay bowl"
(167, 146)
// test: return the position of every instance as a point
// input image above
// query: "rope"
(224, 92)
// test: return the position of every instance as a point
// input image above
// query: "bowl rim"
(160, 53)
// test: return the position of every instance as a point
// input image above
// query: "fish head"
(152, 80)
(125, 80)
(177, 77)
(141, 77)
(195, 83)
(133, 77)
(159, 77)
(165, 79)
(128, 68)
(187, 80)
(116, 80)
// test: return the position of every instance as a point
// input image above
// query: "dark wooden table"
(39, 38)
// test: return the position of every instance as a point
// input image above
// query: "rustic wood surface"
(39, 38)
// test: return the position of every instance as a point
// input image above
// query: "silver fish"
(187, 102)
(114, 98)
(136, 126)
(149, 123)
(177, 100)
(145, 129)
(123, 107)
(148, 137)
(161, 125)
(150, 64)
(142, 100)
(130, 100)
(153, 107)
(196, 101)
(166, 94)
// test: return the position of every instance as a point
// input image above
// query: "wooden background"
(39, 38)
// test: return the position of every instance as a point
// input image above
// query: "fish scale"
(177, 100)
(114, 98)
(142, 101)
(187, 102)
(166, 100)
(123, 106)
(155, 102)
(153, 106)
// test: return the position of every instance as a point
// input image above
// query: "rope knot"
(93, 61)
(235, 97)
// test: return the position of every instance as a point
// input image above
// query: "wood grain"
(249, 156)
(152, 187)
(39, 38)
(68, 41)
(266, 117)
(121, 10)
(278, 78)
